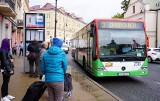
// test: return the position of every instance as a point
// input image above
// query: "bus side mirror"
(91, 33)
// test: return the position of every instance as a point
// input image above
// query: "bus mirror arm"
(94, 56)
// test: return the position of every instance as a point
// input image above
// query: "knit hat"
(57, 42)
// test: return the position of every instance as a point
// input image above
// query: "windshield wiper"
(108, 58)
(134, 57)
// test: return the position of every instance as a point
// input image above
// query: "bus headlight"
(100, 68)
(144, 67)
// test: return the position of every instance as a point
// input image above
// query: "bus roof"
(118, 19)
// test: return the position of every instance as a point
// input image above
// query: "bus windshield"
(121, 43)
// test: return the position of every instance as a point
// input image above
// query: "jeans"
(21, 52)
(4, 88)
(37, 67)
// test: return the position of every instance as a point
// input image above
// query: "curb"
(104, 89)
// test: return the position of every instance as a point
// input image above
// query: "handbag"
(68, 86)
(32, 56)
(7, 72)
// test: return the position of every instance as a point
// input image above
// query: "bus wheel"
(150, 59)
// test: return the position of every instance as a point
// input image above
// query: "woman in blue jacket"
(54, 66)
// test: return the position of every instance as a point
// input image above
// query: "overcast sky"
(87, 9)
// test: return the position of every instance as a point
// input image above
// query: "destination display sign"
(120, 25)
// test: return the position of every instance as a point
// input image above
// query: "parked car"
(65, 48)
(153, 54)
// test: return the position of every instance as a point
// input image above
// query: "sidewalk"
(84, 89)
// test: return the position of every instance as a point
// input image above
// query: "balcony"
(7, 8)
(20, 23)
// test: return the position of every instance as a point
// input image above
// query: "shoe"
(35, 76)
(5, 99)
(10, 97)
(30, 75)
(68, 94)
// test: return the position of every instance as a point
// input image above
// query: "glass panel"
(115, 42)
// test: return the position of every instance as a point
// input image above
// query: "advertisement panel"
(35, 20)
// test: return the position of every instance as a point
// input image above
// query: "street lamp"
(142, 8)
(55, 19)
(65, 25)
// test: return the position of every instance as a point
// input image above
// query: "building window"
(133, 9)
(48, 32)
(48, 24)
(48, 15)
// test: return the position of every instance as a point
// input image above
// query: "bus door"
(76, 49)
(89, 51)
(90, 47)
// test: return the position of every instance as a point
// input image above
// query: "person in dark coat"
(7, 68)
(34, 47)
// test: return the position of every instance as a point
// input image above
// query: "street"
(140, 88)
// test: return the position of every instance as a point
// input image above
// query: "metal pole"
(55, 27)
(65, 24)
(64, 32)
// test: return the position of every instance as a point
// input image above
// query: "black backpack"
(35, 91)
(34, 48)
(31, 47)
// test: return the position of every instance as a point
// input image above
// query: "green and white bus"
(112, 47)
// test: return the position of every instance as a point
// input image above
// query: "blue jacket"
(54, 64)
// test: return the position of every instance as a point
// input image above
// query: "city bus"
(112, 47)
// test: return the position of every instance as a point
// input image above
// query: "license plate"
(123, 74)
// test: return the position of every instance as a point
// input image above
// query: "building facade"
(11, 11)
(22, 7)
(7, 16)
(67, 23)
(149, 11)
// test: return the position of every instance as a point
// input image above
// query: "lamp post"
(65, 24)
(65, 32)
(142, 8)
(55, 27)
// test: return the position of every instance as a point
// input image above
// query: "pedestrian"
(49, 44)
(21, 49)
(134, 44)
(14, 49)
(34, 47)
(43, 49)
(53, 66)
(7, 68)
